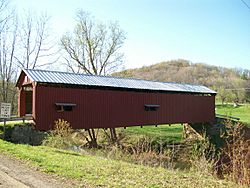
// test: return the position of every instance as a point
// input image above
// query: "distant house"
(88, 101)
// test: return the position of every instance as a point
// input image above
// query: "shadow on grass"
(67, 153)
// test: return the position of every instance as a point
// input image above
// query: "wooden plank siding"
(100, 108)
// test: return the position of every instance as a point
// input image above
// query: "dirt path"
(15, 174)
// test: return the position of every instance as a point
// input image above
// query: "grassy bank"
(98, 171)
(241, 111)
(167, 133)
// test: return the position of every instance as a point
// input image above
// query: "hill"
(229, 83)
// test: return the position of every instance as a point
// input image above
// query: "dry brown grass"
(62, 128)
(204, 157)
(60, 136)
(144, 152)
(236, 154)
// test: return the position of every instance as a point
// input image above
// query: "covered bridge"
(88, 101)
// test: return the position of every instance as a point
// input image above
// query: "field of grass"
(102, 172)
(167, 133)
(242, 111)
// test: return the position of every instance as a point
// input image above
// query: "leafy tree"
(247, 89)
(223, 94)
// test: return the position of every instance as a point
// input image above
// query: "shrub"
(146, 152)
(234, 154)
(60, 136)
(204, 157)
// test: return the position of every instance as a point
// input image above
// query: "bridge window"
(151, 107)
(64, 107)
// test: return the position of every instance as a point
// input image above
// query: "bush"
(204, 157)
(60, 136)
(146, 151)
(235, 163)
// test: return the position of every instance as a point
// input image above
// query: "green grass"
(12, 123)
(242, 111)
(167, 133)
(102, 172)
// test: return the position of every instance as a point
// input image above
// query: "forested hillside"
(232, 85)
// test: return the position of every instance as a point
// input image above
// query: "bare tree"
(8, 36)
(7, 68)
(35, 42)
(4, 16)
(94, 48)
(22, 44)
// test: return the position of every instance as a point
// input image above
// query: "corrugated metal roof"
(44, 76)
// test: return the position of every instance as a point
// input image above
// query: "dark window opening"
(28, 102)
(151, 107)
(64, 107)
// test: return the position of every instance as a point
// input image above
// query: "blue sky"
(215, 32)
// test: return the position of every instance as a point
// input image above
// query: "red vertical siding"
(34, 101)
(21, 103)
(105, 108)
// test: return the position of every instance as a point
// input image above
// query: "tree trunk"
(222, 101)
(113, 135)
(93, 139)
